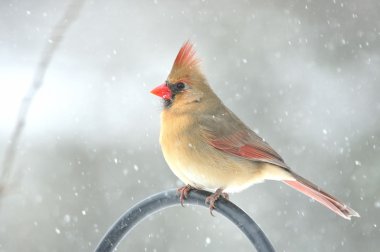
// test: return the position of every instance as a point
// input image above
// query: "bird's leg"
(184, 192)
(214, 197)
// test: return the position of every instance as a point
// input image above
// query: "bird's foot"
(184, 192)
(214, 197)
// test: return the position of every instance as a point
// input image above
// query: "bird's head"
(185, 85)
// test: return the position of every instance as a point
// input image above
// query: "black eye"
(180, 85)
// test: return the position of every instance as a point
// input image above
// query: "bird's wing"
(225, 132)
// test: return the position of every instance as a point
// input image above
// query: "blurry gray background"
(305, 74)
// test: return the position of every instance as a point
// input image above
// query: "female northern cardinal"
(208, 147)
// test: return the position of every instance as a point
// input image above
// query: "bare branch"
(70, 15)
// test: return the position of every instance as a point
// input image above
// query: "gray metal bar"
(170, 198)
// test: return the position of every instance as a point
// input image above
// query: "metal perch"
(170, 198)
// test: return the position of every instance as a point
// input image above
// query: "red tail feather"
(322, 197)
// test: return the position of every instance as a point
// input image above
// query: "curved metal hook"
(170, 198)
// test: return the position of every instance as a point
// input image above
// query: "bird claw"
(214, 197)
(183, 193)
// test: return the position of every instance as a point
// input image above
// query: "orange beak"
(162, 91)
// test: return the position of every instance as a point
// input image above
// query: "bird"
(209, 148)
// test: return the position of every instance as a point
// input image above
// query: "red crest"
(186, 56)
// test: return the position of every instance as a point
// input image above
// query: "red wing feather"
(247, 145)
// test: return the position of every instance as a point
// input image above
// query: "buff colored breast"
(200, 165)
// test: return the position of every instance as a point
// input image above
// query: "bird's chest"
(183, 149)
(180, 141)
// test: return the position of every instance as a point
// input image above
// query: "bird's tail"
(314, 192)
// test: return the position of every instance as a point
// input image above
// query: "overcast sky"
(304, 74)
